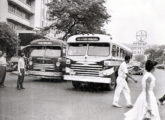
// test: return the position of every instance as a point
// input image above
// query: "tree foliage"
(8, 39)
(77, 16)
(155, 53)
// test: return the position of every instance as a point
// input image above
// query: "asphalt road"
(56, 100)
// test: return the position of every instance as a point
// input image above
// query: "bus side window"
(121, 53)
(118, 52)
(114, 51)
(124, 53)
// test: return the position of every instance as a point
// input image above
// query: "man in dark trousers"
(3, 64)
(21, 71)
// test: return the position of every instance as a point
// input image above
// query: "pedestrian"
(146, 103)
(162, 99)
(122, 85)
(3, 64)
(21, 71)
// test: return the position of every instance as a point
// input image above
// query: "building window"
(16, 26)
(17, 11)
(29, 2)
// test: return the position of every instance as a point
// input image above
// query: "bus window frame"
(118, 51)
(114, 50)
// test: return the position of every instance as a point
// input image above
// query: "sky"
(130, 16)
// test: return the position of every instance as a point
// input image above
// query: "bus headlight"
(58, 64)
(30, 63)
(67, 70)
(107, 63)
(68, 61)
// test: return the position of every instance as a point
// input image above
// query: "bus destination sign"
(45, 43)
(87, 39)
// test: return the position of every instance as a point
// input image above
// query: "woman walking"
(146, 102)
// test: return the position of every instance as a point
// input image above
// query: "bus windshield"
(99, 49)
(94, 49)
(77, 49)
(48, 51)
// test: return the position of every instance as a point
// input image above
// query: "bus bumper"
(45, 74)
(87, 79)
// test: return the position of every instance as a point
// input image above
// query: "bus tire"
(76, 84)
(112, 84)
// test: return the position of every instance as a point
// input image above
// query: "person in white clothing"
(146, 107)
(122, 85)
(3, 65)
(21, 71)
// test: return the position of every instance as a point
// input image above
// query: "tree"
(77, 16)
(8, 39)
(155, 53)
(151, 52)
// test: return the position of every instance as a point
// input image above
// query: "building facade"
(139, 47)
(24, 16)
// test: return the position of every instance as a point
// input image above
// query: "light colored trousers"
(122, 86)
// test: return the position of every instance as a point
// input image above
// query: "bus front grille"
(45, 67)
(86, 70)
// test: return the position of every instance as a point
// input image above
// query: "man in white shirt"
(21, 71)
(3, 64)
(122, 85)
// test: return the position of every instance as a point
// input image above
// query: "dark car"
(136, 70)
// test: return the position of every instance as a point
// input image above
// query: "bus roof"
(105, 38)
(47, 42)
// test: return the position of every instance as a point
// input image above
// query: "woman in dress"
(146, 101)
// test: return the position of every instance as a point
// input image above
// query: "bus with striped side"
(93, 59)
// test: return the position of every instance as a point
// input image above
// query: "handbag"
(147, 116)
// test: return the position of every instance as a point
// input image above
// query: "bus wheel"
(76, 84)
(112, 84)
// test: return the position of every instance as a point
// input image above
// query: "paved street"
(55, 100)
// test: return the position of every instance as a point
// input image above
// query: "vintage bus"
(93, 59)
(46, 58)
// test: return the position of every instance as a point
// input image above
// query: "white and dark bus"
(93, 59)
(46, 58)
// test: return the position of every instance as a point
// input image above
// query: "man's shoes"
(129, 106)
(18, 88)
(22, 88)
(116, 105)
